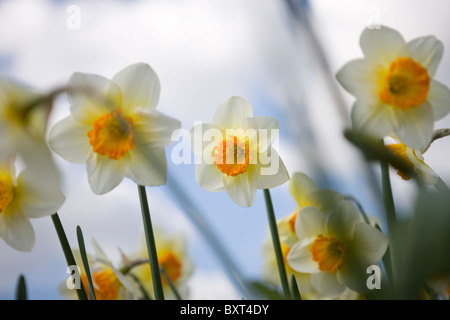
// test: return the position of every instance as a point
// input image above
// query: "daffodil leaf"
(21, 289)
(85, 263)
(67, 252)
(295, 293)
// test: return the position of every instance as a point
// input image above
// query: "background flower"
(114, 128)
(29, 195)
(172, 256)
(415, 161)
(23, 122)
(109, 283)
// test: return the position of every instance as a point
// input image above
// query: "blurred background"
(279, 55)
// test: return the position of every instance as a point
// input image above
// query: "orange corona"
(405, 84)
(112, 135)
(329, 253)
(232, 156)
(171, 265)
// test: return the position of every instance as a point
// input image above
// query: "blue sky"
(204, 52)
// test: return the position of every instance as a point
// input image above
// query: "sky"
(204, 52)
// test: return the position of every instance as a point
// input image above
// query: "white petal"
(204, 137)
(273, 174)
(427, 174)
(342, 219)
(16, 229)
(378, 120)
(209, 177)
(104, 174)
(40, 194)
(323, 200)
(439, 97)
(368, 244)
(300, 259)
(140, 86)
(153, 129)
(300, 186)
(416, 126)
(327, 284)
(310, 222)
(230, 112)
(381, 45)
(360, 78)
(91, 96)
(353, 273)
(69, 139)
(264, 129)
(241, 188)
(148, 166)
(427, 51)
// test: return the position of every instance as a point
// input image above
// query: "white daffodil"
(30, 195)
(335, 248)
(415, 161)
(23, 122)
(396, 93)
(235, 152)
(270, 273)
(172, 257)
(109, 283)
(306, 193)
(115, 129)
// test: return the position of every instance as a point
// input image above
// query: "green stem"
(141, 286)
(85, 263)
(171, 285)
(390, 218)
(151, 246)
(67, 252)
(276, 243)
(21, 289)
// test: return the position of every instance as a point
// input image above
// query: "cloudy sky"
(205, 51)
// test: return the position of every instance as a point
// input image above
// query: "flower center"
(106, 284)
(406, 84)
(171, 265)
(232, 156)
(6, 190)
(328, 253)
(112, 135)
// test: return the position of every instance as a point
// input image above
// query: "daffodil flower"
(396, 93)
(23, 122)
(235, 152)
(29, 195)
(115, 129)
(172, 257)
(109, 283)
(336, 248)
(306, 193)
(415, 161)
